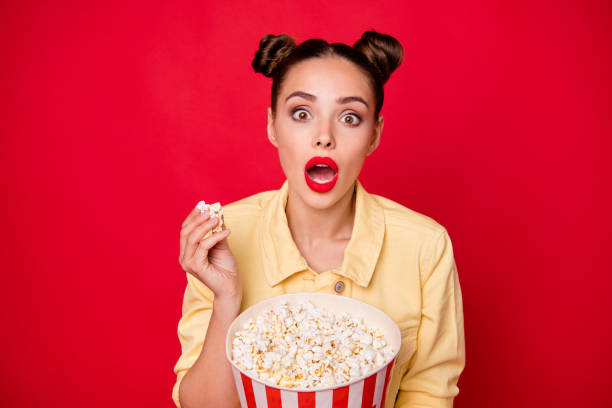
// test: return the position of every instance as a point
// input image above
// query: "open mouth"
(321, 173)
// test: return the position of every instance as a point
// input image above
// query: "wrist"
(228, 302)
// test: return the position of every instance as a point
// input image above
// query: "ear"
(376, 135)
(271, 133)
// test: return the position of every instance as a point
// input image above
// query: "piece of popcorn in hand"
(215, 210)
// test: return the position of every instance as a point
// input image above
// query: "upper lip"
(328, 161)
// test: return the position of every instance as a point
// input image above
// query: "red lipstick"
(321, 174)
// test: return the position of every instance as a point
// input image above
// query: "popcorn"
(215, 210)
(300, 346)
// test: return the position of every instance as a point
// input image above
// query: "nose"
(324, 138)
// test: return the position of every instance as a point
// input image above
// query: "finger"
(223, 243)
(196, 236)
(207, 244)
(192, 215)
(195, 218)
(188, 228)
(201, 254)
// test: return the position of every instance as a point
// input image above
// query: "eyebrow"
(341, 100)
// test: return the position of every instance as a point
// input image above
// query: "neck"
(311, 225)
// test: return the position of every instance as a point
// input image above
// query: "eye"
(351, 119)
(300, 114)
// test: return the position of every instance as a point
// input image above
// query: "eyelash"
(295, 110)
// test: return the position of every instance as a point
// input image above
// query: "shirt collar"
(282, 257)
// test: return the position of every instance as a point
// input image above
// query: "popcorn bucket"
(366, 391)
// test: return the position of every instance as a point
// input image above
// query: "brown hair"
(376, 54)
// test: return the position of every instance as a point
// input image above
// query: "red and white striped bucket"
(367, 391)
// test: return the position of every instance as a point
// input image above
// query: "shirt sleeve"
(432, 373)
(192, 327)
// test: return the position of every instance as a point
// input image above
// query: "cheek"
(290, 156)
(353, 153)
(293, 142)
(356, 142)
(351, 161)
(354, 164)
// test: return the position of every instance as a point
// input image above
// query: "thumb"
(223, 243)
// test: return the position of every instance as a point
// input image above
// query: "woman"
(322, 232)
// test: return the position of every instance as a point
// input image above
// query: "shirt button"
(339, 286)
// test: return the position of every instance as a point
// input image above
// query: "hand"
(210, 259)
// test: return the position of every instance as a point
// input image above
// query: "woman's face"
(325, 110)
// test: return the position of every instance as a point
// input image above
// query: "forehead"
(327, 76)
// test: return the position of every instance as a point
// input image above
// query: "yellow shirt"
(397, 260)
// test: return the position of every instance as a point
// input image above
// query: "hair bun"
(383, 51)
(272, 50)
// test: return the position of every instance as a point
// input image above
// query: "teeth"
(316, 180)
(320, 181)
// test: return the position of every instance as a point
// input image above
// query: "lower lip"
(320, 187)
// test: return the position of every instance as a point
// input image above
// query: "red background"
(117, 119)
